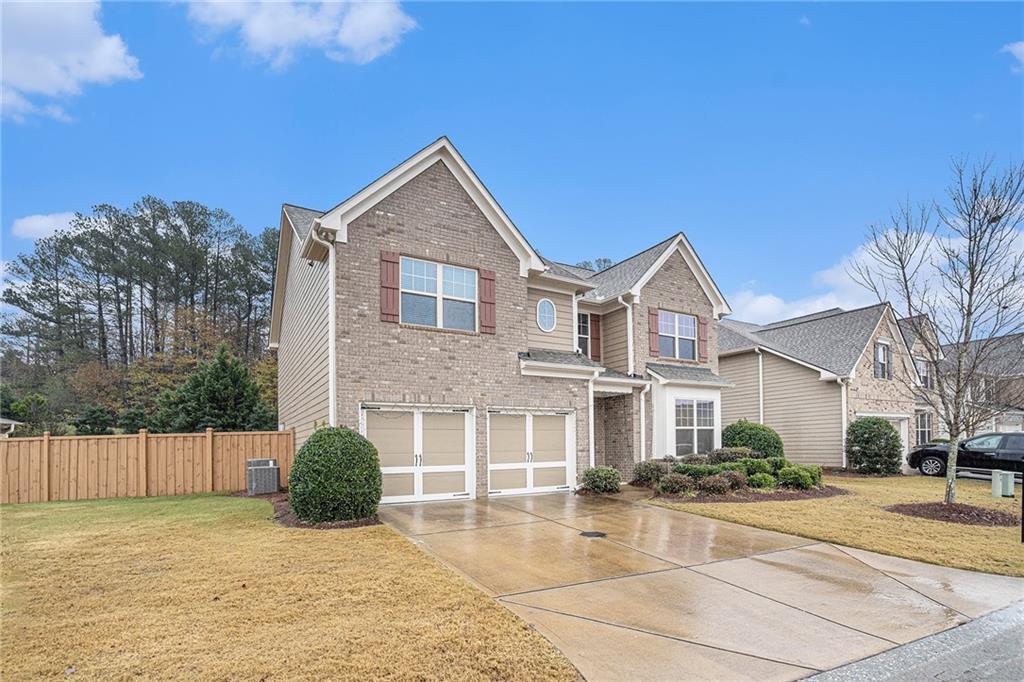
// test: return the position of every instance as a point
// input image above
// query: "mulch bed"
(956, 513)
(284, 515)
(754, 495)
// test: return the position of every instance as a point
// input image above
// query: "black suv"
(990, 451)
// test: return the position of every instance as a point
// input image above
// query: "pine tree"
(97, 420)
(221, 395)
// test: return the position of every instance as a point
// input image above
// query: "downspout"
(643, 422)
(843, 384)
(590, 415)
(760, 385)
(629, 334)
(332, 321)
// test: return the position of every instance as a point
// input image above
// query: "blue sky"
(772, 134)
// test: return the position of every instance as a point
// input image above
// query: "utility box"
(262, 476)
(1002, 483)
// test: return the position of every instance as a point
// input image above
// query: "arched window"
(546, 315)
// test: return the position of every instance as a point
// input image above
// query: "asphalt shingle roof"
(558, 357)
(301, 218)
(620, 277)
(832, 339)
(701, 375)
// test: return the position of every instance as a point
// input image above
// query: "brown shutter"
(389, 286)
(652, 332)
(888, 362)
(488, 315)
(595, 337)
(702, 339)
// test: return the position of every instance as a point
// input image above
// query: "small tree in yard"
(95, 421)
(220, 395)
(873, 446)
(954, 270)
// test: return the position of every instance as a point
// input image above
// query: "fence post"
(208, 453)
(46, 466)
(143, 462)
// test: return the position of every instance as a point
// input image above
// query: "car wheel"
(932, 466)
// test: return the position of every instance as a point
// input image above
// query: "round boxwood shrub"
(602, 479)
(335, 477)
(796, 476)
(761, 480)
(674, 484)
(873, 446)
(815, 470)
(757, 437)
(756, 466)
(714, 485)
(647, 473)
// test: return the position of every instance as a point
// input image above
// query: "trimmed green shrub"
(815, 470)
(737, 479)
(757, 437)
(714, 485)
(796, 476)
(697, 470)
(602, 479)
(756, 466)
(937, 440)
(674, 484)
(647, 473)
(722, 455)
(873, 446)
(694, 459)
(335, 477)
(761, 480)
(777, 464)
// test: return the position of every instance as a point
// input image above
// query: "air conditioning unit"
(262, 476)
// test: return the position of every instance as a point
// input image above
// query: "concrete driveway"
(630, 591)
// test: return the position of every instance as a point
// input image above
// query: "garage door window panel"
(508, 439)
(392, 434)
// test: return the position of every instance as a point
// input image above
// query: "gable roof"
(300, 218)
(831, 340)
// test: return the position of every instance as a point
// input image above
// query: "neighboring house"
(416, 312)
(1003, 381)
(7, 427)
(808, 377)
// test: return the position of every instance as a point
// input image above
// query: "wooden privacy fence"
(146, 464)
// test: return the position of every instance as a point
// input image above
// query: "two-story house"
(808, 377)
(416, 312)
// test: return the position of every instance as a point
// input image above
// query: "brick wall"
(433, 218)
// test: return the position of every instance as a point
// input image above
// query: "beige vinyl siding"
(302, 366)
(561, 338)
(615, 340)
(741, 401)
(806, 411)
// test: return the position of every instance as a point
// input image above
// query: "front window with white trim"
(883, 360)
(677, 335)
(546, 315)
(695, 426)
(924, 427)
(583, 333)
(453, 307)
(924, 370)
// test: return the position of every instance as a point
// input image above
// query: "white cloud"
(832, 287)
(1017, 50)
(41, 225)
(357, 32)
(805, 21)
(51, 50)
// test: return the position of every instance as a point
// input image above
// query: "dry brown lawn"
(208, 587)
(859, 520)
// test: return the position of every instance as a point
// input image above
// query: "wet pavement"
(651, 593)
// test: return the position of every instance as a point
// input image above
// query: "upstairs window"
(583, 333)
(677, 335)
(924, 370)
(546, 315)
(452, 305)
(883, 361)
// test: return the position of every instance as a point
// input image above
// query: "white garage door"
(425, 453)
(530, 452)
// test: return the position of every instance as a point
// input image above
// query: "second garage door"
(530, 451)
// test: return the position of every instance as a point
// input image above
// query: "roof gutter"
(332, 324)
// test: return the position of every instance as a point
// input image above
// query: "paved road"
(631, 591)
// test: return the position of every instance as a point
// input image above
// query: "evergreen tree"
(132, 419)
(97, 420)
(220, 395)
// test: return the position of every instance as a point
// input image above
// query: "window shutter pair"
(595, 337)
(390, 301)
(652, 332)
